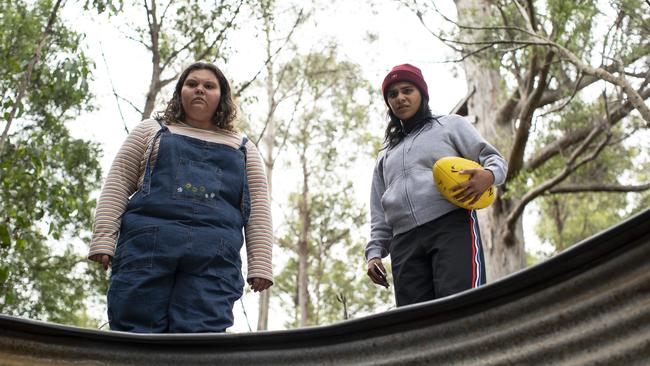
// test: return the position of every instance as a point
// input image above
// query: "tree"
(177, 33)
(332, 104)
(47, 176)
(272, 133)
(569, 216)
(526, 64)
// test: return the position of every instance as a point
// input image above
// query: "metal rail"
(589, 305)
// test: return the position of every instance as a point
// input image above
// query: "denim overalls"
(177, 267)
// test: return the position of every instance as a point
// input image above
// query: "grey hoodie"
(403, 194)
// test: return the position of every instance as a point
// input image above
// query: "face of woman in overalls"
(404, 99)
(200, 98)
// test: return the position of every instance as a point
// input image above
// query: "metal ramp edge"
(588, 305)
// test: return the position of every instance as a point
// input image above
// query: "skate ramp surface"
(589, 305)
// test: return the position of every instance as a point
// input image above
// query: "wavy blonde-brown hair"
(226, 112)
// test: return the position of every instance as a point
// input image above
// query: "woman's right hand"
(104, 259)
(374, 274)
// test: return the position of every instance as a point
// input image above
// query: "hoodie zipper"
(406, 191)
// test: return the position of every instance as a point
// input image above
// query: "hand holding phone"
(380, 272)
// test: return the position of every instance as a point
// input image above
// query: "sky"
(125, 66)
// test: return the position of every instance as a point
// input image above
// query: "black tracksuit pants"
(437, 259)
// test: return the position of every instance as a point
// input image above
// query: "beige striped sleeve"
(121, 182)
(259, 231)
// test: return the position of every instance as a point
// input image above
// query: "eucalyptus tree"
(269, 130)
(324, 279)
(177, 33)
(47, 175)
(560, 88)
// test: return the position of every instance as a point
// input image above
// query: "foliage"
(47, 176)
(568, 130)
(178, 33)
(109, 6)
(568, 218)
(344, 290)
(20, 28)
(324, 216)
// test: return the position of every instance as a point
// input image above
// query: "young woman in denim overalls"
(177, 266)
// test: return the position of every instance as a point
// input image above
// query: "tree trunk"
(488, 94)
(269, 142)
(500, 259)
(154, 89)
(303, 250)
(156, 71)
(265, 296)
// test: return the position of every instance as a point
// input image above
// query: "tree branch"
(603, 74)
(638, 75)
(164, 13)
(286, 134)
(221, 35)
(570, 167)
(164, 82)
(554, 148)
(599, 188)
(135, 107)
(483, 28)
(525, 13)
(566, 102)
(516, 158)
(117, 100)
(505, 112)
(599, 72)
(243, 87)
(552, 96)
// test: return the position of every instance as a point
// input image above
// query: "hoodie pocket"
(393, 202)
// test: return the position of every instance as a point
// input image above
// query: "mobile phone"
(379, 271)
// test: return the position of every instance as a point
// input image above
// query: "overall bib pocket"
(197, 181)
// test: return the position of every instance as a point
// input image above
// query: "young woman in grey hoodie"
(435, 246)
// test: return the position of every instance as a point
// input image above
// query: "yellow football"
(446, 175)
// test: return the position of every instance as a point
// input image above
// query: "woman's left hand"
(472, 189)
(259, 284)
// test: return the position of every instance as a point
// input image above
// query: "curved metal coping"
(520, 317)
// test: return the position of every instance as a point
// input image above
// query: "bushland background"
(560, 87)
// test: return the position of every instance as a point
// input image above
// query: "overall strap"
(162, 126)
(146, 182)
(242, 148)
(244, 205)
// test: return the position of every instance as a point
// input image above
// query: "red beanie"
(405, 72)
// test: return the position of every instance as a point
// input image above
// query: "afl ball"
(446, 175)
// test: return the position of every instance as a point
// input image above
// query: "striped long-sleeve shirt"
(127, 172)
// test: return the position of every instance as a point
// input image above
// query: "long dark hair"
(226, 111)
(395, 132)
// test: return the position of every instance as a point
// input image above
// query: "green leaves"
(58, 84)
(5, 239)
(46, 175)
(322, 228)
(101, 6)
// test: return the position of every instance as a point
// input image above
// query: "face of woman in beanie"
(404, 99)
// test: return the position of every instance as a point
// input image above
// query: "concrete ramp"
(589, 305)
